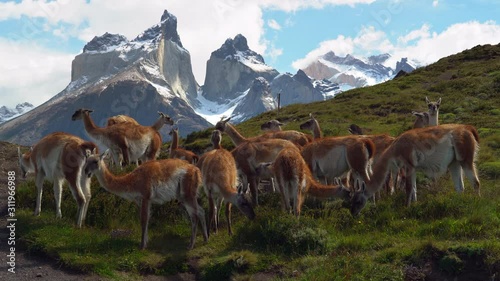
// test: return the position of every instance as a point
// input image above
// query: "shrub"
(284, 234)
(490, 169)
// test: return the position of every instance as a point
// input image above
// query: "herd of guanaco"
(352, 168)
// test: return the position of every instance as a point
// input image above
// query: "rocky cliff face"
(298, 88)
(232, 69)
(258, 100)
(159, 46)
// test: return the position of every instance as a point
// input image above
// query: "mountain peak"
(232, 47)
(169, 27)
(103, 42)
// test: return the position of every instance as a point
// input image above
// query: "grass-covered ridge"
(443, 236)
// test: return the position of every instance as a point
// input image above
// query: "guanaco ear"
(19, 152)
(427, 100)
(104, 154)
(337, 181)
(438, 101)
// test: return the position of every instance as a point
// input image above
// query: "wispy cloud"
(435, 3)
(273, 24)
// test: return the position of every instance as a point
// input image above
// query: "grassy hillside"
(443, 236)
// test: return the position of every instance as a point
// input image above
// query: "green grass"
(444, 235)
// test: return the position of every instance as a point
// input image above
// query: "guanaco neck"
(380, 172)
(114, 184)
(319, 190)
(434, 119)
(158, 124)
(175, 140)
(89, 125)
(235, 136)
(317, 130)
(217, 145)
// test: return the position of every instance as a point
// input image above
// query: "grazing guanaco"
(180, 153)
(294, 180)
(154, 182)
(60, 157)
(433, 150)
(220, 183)
(330, 157)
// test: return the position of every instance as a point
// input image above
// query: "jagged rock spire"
(169, 27)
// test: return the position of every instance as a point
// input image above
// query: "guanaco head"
(355, 129)
(346, 193)
(166, 119)
(309, 124)
(433, 106)
(244, 203)
(271, 125)
(221, 125)
(94, 161)
(80, 113)
(24, 161)
(173, 130)
(358, 200)
(265, 170)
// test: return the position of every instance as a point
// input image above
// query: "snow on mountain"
(11, 113)
(352, 72)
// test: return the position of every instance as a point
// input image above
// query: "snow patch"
(213, 111)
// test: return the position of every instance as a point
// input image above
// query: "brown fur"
(118, 119)
(331, 157)
(155, 182)
(294, 180)
(180, 153)
(220, 183)
(119, 136)
(248, 156)
(434, 150)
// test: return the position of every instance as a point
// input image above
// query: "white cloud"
(273, 24)
(435, 3)
(420, 45)
(31, 73)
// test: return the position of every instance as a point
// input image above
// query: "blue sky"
(39, 39)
